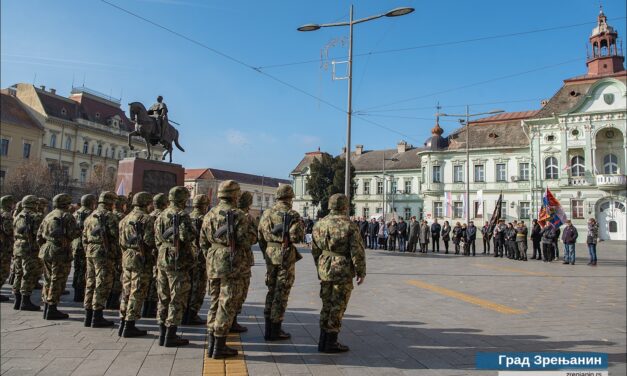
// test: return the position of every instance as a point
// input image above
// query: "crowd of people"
(503, 239)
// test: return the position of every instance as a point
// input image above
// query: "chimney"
(544, 102)
(43, 87)
(53, 91)
(401, 147)
(359, 149)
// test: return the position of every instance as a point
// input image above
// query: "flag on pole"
(447, 204)
(567, 167)
(496, 215)
(464, 205)
(121, 188)
(479, 203)
(551, 210)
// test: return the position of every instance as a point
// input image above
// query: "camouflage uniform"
(226, 258)
(102, 253)
(26, 249)
(78, 249)
(56, 233)
(280, 264)
(113, 302)
(160, 202)
(6, 239)
(173, 281)
(137, 240)
(199, 270)
(338, 252)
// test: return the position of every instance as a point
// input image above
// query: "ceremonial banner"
(496, 215)
(551, 210)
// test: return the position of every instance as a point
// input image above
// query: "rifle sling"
(330, 253)
(275, 244)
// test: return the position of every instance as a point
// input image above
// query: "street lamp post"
(349, 113)
(467, 117)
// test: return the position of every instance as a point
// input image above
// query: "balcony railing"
(579, 181)
(611, 182)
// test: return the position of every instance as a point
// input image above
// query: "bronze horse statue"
(146, 128)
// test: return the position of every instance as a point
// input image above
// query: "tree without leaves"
(326, 179)
(99, 181)
(29, 178)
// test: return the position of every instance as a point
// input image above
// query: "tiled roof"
(306, 161)
(240, 177)
(194, 173)
(13, 112)
(89, 107)
(490, 135)
(505, 116)
(372, 160)
(58, 106)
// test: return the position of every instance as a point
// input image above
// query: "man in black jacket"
(402, 234)
(485, 232)
(435, 236)
(373, 229)
(363, 230)
(536, 237)
(471, 236)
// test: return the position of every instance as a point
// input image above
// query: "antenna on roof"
(35, 79)
(73, 80)
(83, 79)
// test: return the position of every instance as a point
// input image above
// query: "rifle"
(284, 229)
(138, 227)
(101, 230)
(230, 234)
(61, 232)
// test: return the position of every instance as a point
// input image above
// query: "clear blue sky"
(235, 118)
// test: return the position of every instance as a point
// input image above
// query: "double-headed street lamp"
(311, 27)
(467, 117)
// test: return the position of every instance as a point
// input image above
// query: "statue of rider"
(159, 111)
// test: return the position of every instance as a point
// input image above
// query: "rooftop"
(240, 177)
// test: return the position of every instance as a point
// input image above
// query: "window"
(83, 177)
(407, 186)
(99, 150)
(97, 115)
(438, 209)
(53, 140)
(523, 171)
(407, 214)
(378, 210)
(85, 147)
(525, 210)
(613, 226)
(504, 210)
(610, 164)
(63, 111)
(305, 211)
(458, 209)
(437, 176)
(267, 200)
(476, 212)
(68, 143)
(366, 213)
(550, 138)
(379, 187)
(366, 187)
(4, 148)
(26, 151)
(458, 174)
(577, 167)
(119, 154)
(394, 185)
(550, 168)
(501, 172)
(112, 152)
(259, 200)
(479, 173)
(576, 209)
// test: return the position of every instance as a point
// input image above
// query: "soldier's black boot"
(45, 310)
(171, 339)
(130, 330)
(89, 315)
(26, 304)
(98, 320)
(79, 294)
(54, 314)
(162, 331)
(121, 328)
(277, 334)
(322, 340)
(211, 341)
(194, 319)
(221, 350)
(268, 330)
(236, 327)
(18, 301)
(332, 346)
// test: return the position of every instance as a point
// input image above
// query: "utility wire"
(449, 106)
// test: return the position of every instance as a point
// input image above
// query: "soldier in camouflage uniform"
(199, 271)
(338, 252)
(43, 210)
(88, 204)
(244, 202)
(175, 234)
(225, 242)
(56, 233)
(6, 239)
(137, 240)
(113, 302)
(280, 255)
(159, 202)
(25, 253)
(100, 235)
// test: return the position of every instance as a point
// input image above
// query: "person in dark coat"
(548, 239)
(457, 236)
(414, 229)
(521, 241)
(536, 238)
(435, 236)
(363, 230)
(463, 240)
(392, 234)
(402, 234)
(373, 229)
(510, 241)
(499, 237)
(471, 236)
(424, 237)
(486, 234)
(446, 235)
(569, 237)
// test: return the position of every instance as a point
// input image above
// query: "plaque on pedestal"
(136, 175)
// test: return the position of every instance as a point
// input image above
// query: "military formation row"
(159, 250)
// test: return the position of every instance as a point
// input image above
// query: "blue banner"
(541, 361)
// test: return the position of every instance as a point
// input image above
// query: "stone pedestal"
(136, 175)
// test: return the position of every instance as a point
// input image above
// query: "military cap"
(88, 200)
(142, 199)
(30, 202)
(7, 201)
(228, 189)
(200, 200)
(245, 200)
(178, 195)
(160, 200)
(107, 197)
(61, 200)
(284, 191)
(338, 201)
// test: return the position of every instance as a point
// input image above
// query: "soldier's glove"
(277, 229)
(168, 233)
(220, 231)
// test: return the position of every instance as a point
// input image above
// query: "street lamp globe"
(399, 12)
(309, 27)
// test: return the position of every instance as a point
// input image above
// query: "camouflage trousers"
(152, 295)
(56, 273)
(80, 268)
(335, 298)
(99, 279)
(116, 288)
(279, 279)
(27, 272)
(199, 285)
(135, 282)
(173, 288)
(224, 297)
(5, 266)
(243, 284)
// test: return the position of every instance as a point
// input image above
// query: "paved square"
(416, 314)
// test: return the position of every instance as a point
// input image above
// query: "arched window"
(550, 168)
(610, 164)
(85, 147)
(577, 167)
(99, 152)
(53, 140)
(68, 143)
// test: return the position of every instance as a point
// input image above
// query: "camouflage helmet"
(228, 189)
(338, 202)
(107, 198)
(178, 195)
(7, 201)
(160, 201)
(245, 200)
(30, 202)
(88, 200)
(284, 191)
(62, 200)
(142, 199)
(200, 200)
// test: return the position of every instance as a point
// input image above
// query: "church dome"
(436, 141)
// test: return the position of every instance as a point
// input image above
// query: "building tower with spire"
(605, 57)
